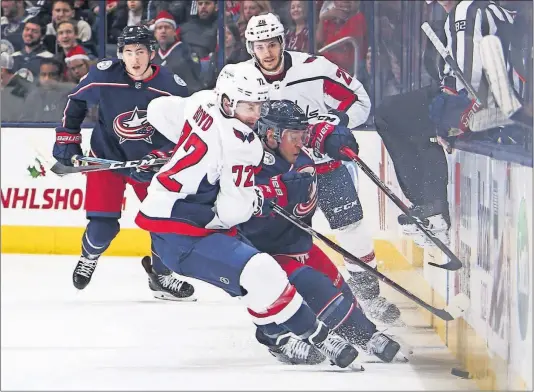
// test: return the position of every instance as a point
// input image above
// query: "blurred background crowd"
(48, 45)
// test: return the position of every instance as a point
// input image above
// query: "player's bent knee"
(270, 297)
(101, 231)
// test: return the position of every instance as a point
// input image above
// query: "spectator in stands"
(63, 10)
(247, 10)
(67, 40)
(78, 63)
(231, 11)
(46, 103)
(200, 33)
(12, 22)
(234, 50)
(343, 19)
(28, 60)
(174, 54)
(130, 13)
(14, 89)
(179, 9)
(111, 6)
(297, 36)
(82, 11)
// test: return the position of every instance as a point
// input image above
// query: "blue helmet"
(140, 35)
(280, 115)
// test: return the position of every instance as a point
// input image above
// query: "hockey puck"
(459, 373)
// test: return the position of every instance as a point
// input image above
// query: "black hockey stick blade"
(454, 263)
(61, 170)
(456, 306)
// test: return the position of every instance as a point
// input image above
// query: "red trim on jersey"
(327, 167)
(154, 74)
(368, 258)
(340, 93)
(99, 84)
(277, 306)
(163, 225)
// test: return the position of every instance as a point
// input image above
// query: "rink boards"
(491, 210)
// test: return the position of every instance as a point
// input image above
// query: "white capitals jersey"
(208, 184)
(317, 85)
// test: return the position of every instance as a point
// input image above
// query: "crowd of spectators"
(48, 45)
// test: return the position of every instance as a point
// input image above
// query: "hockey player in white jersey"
(326, 93)
(207, 188)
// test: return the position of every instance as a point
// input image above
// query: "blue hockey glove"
(145, 173)
(326, 138)
(288, 188)
(450, 110)
(339, 117)
(66, 146)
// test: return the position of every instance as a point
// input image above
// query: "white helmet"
(241, 82)
(263, 27)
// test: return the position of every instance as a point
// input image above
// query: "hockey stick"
(443, 51)
(456, 306)
(62, 170)
(454, 263)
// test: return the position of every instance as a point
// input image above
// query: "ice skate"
(83, 272)
(296, 352)
(432, 218)
(384, 348)
(340, 352)
(166, 286)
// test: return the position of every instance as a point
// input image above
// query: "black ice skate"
(334, 347)
(296, 352)
(83, 272)
(383, 347)
(167, 286)
(366, 289)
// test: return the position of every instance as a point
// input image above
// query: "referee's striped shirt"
(466, 24)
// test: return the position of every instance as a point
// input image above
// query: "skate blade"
(168, 297)
(355, 367)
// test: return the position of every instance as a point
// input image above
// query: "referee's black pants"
(420, 165)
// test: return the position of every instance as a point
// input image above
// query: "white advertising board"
(32, 196)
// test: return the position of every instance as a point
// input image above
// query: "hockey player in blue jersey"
(284, 131)
(207, 188)
(122, 88)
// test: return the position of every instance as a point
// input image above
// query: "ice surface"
(114, 336)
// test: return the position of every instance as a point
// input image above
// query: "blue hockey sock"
(157, 264)
(337, 310)
(98, 236)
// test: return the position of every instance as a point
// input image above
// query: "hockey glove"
(66, 146)
(288, 188)
(337, 117)
(328, 139)
(145, 173)
(451, 110)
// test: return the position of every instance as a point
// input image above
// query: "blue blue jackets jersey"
(122, 131)
(274, 234)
